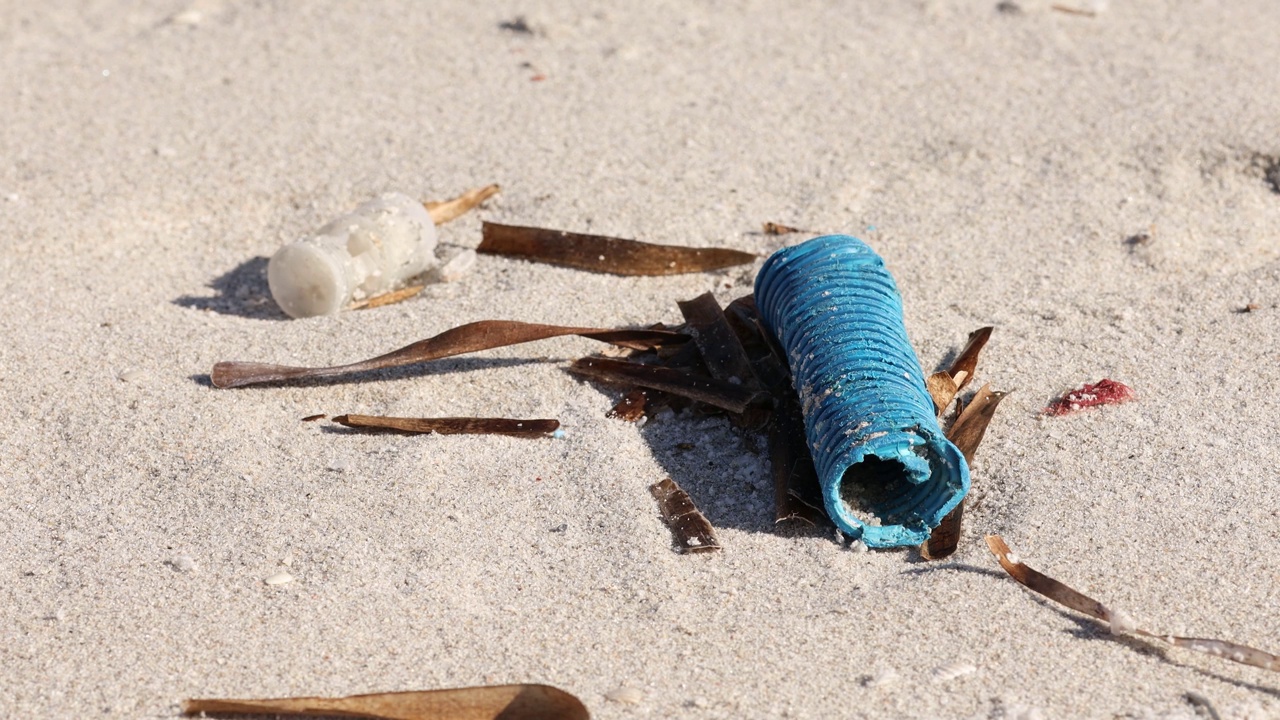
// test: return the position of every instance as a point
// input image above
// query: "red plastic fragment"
(1103, 392)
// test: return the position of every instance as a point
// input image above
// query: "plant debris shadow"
(729, 480)
(241, 291)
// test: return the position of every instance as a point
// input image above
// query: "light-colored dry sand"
(151, 154)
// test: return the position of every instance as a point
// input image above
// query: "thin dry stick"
(598, 253)
(508, 702)
(472, 337)
(387, 298)
(443, 212)
(1120, 622)
(453, 426)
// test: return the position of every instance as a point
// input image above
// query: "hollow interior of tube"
(306, 280)
(878, 491)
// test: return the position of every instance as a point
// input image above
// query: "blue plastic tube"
(887, 471)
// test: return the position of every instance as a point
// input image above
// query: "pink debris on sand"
(1103, 392)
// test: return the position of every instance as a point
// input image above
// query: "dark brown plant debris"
(773, 228)
(505, 702)
(453, 425)
(693, 534)
(1119, 622)
(966, 433)
(598, 253)
(695, 386)
(444, 211)
(313, 418)
(472, 337)
(1251, 307)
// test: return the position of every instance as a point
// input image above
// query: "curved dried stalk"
(472, 337)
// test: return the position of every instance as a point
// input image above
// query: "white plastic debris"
(280, 578)
(1121, 622)
(457, 266)
(373, 250)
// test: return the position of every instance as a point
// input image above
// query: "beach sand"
(1007, 165)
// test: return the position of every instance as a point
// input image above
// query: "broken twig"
(452, 426)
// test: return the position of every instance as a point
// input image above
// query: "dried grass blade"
(1119, 622)
(945, 538)
(1045, 585)
(773, 228)
(472, 337)
(389, 298)
(443, 212)
(453, 425)
(598, 253)
(967, 361)
(942, 388)
(692, 531)
(966, 433)
(721, 350)
(1235, 652)
(968, 429)
(508, 702)
(704, 389)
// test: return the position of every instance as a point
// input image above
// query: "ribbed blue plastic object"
(868, 418)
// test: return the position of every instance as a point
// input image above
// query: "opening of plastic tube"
(893, 496)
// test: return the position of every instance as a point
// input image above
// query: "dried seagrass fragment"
(692, 531)
(888, 474)
(453, 426)
(472, 337)
(695, 386)
(444, 211)
(495, 702)
(963, 367)
(1119, 622)
(967, 433)
(598, 253)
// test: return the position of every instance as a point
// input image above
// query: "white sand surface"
(153, 154)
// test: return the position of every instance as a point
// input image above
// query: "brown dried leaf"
(963, 367)
(722, 352)
(1119, 622)
(966, 433)
(443, 212)
(796, 493)
(508, 702)
(472, 337)
(1045, 585)
(604, 254)
(942, 388)
(945, 538)
(692, 531)
(968, 429)
(452, 426)
(704, 389)
(633, 406)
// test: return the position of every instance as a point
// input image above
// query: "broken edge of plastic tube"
(372, 250)
(887, 471)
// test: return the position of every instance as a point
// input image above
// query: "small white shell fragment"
(280, 578)
(457, 266)
(625, 694)
(132, 375)
(183, 563)
(371, 251)
(951, 671)
(1121, 622)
